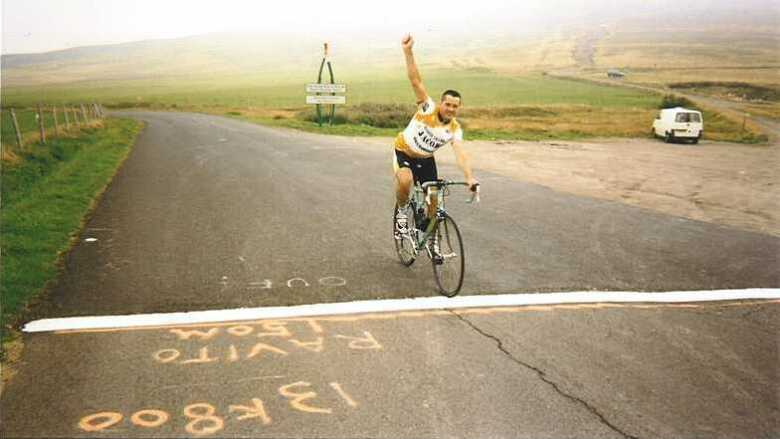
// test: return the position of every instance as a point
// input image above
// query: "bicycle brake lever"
(474, 195)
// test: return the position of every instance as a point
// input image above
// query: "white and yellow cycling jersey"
(426, 133)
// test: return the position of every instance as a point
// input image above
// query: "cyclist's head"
(450, 104)
(452, 93)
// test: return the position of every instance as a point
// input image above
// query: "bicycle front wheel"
(448, 258)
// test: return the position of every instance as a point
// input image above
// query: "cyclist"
(432, 127)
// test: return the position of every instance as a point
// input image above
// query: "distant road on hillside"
(736, 110)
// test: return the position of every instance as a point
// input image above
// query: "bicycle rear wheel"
(449, 264)
(405, 246)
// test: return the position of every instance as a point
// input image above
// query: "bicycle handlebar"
(442, 183)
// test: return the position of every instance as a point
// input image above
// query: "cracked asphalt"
(212, 213)
(543, 376)
(640, 371)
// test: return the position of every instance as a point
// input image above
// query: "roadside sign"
(325, 93)
(328, 100)
(326, 88)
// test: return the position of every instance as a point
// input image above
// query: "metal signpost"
(329, 91)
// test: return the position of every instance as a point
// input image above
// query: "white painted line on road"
(393, 305)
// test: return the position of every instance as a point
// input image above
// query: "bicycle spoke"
(447, 234)
(448, 266)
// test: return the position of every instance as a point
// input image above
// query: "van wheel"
(669, 137)
(695, 140)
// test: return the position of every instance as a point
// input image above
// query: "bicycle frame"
(422, 200)
(421, 197)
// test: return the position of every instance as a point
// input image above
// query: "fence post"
(67, 120)
(75, 116)
(16, 128)
(56, 123)
(97, 110)
(40, 125)
(100, 110)
(84, 114)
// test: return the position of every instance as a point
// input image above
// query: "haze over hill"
(741, 35)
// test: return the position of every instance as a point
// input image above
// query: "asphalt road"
(213, 213)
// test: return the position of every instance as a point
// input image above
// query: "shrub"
(752, 138)
(311, 116)
(125, 104)
(375, 115)
(742, 90)
(671, 101)
(508, 112)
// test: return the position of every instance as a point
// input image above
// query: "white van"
(679, 123)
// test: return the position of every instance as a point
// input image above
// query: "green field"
(46, 194)
(478, 89)
(530, 106)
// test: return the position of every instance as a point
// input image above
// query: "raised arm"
(411, 69)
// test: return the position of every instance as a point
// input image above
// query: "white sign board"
(326, 88)
(328, 100)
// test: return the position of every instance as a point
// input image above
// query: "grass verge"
(534, 123)
(45, 196)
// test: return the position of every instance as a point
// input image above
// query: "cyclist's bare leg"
(403, 185)
(434, 202)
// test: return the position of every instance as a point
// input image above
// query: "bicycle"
(439, 237)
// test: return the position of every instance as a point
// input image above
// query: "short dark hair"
(452, 93)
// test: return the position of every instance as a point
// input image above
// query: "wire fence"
(22, 127)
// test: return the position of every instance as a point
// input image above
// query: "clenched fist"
(407, 42)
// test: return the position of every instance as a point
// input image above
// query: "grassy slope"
(45, 196)
(570, 109)
(478, 89)
(667, 55)
(672, 46)
(556, 122)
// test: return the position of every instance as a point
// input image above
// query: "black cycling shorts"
(422, 169)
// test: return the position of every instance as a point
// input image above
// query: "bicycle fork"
(429, 235)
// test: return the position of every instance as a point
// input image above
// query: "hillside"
(659, 48)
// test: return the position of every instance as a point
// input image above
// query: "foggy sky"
(30, 26)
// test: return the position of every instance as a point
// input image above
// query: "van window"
(687, 117)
